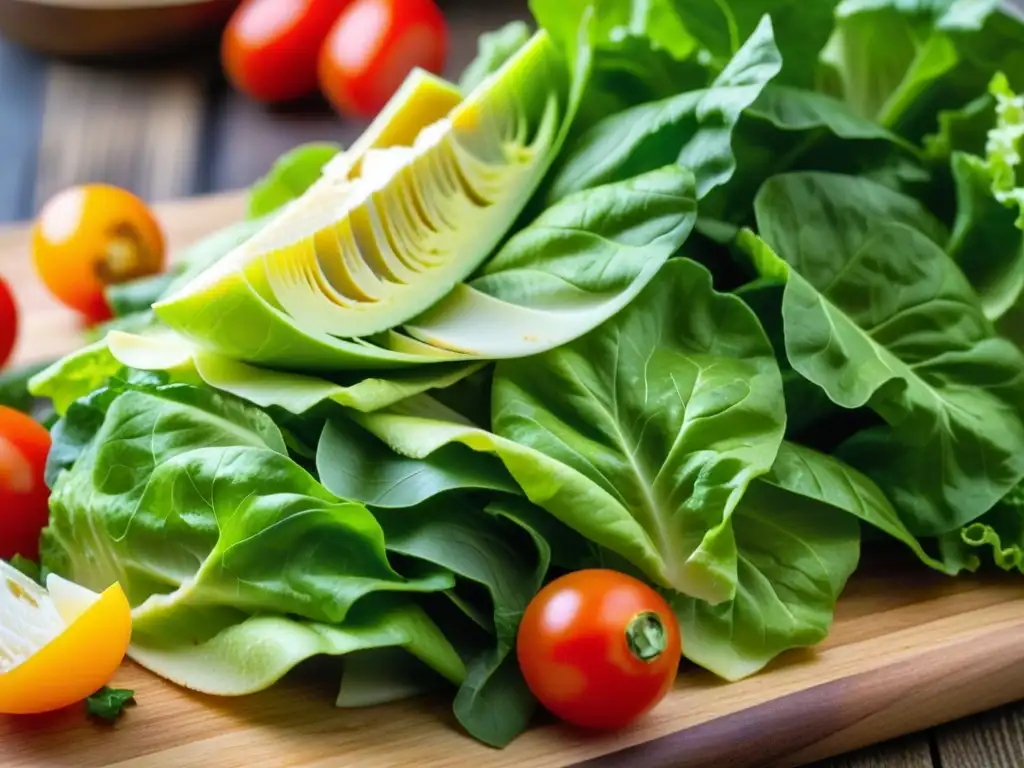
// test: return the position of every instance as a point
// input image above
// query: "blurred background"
(170, 98)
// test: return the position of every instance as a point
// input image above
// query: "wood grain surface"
(909, 650)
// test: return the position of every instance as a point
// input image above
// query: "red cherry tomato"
(269, 48)
(598, 648)
(24, 497)
(8, 323)
(372, 48)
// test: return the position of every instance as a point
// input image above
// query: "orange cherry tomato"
(8, 323)
(372, 48)
(598, 648)
(85, 639)
(269, 48)
(92, 236)
(24, 497)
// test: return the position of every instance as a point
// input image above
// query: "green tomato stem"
(646, 637)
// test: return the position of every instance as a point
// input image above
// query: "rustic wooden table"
(176, 130)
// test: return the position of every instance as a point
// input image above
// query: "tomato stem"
(646, 636)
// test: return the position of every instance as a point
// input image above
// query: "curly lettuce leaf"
(996, 537)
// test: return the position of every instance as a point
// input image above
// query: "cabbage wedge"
(393, 225)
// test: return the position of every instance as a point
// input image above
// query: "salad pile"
(715, 294)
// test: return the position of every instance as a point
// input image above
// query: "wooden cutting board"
(909, 649)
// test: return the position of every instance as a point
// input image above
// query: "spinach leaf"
(425, 512)
(488, 548)
(138, 295)
(801, 28)
(827, 479)
(877, 315)
(693, 128)
(788, 128)
(15, 394)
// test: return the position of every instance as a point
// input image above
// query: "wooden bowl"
(104, 28)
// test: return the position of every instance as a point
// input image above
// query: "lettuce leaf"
(184, 496)
(877, 315)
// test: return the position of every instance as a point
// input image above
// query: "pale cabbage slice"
(186, 362)
(390, 228)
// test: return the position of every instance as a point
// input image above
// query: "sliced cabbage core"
(393, 225)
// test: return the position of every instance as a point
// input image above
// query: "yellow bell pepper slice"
(58, 645)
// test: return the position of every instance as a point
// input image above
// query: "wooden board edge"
(977, 674)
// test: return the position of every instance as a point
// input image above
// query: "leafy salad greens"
(718, 293)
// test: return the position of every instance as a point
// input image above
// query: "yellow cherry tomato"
(88, 237)
(58, 645)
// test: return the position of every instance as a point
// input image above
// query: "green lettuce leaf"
(184, 497)
(795, 555)
(877, 315)
(801, 28)
(671, 409)
(354, 465)
(289, 177)
(186, 362)
(229, 653)
(996, 536)
(640, 436)
(75, 376)
(988, 234)
(693, 128)
(902, 63)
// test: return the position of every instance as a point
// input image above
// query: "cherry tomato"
(373, 46)
(24, 497)
(68, 642)
(8, 323)
(599, 648)
(91, 236)
(269, 48)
